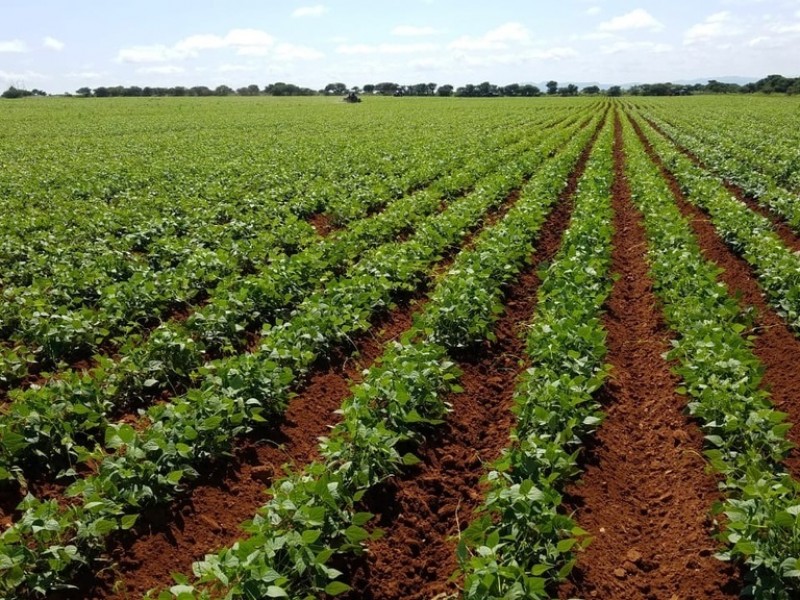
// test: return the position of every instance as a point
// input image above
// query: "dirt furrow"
(423, 511)
(788, 237)
(169, 539)
(645, 496)
(775, 345)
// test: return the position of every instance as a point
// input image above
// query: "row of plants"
(721, 376)
(44, 424)
(746, 232)
(79, 307)
(150, 465)
(757, 133)
(520, 543)
(726, 157)
(313, 514)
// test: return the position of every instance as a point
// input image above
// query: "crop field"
(413, 348)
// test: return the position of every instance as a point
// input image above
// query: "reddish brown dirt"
(422, 511)
(323, 224)
(783, 230)
(645, 495)
(775, 344)
(170, 539)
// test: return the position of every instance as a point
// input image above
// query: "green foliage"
(746, 437)
(521, 542)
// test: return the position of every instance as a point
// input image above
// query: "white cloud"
(411, 31)
(639, 47)
(290, 52)
(789, 28)
(310, 11)
(85, 75)
(20, 76)
(236, 68)
(357, 49)
(52, 43)
(13, 46)
(593, 10)
(714, 26)
(161, 70)
(246, 42)
(495, 39)
(150, 54)
(636, 19)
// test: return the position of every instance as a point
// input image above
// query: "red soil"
(322, 223)
(783, 230)
(423, 511)
(775, 344)
(645, 496)
(171, 539)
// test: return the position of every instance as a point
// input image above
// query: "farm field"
(414, 348)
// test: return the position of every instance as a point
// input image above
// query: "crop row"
(313, 515)
(88, 305)
(46, 424)
(521, 542)
(727, 158)
(745, 436)
(757, 135)
(237, 393)
(748, 233)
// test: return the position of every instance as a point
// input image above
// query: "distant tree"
(369, 88)
(250, 90)
(200, 90)
(794, 88)
(180, 91)
(338, 89)
(223, 90)
(84, 92)
(552, 88)
(615, 91)
(431, 89)
(570, 90)
(530, 91)
(591, 90)
(512, 89)
(101, 92)
(387, 88)
(418, 89)
(12, 93)
(445, 90)
(486, 89)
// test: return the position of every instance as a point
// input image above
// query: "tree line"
(767, 85)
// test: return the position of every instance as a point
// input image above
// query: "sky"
(61, 45)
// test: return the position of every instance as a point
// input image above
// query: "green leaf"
(274, 591)
(128, 521)
(336, 587)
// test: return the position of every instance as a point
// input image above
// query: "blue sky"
(62, 45)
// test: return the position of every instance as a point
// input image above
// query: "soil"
(171, 539)
(786, 234)
(423, 511)
(645, 496)
(775, 345)
(322, 224)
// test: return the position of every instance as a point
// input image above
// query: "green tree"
(552, 88)
(615, 91)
